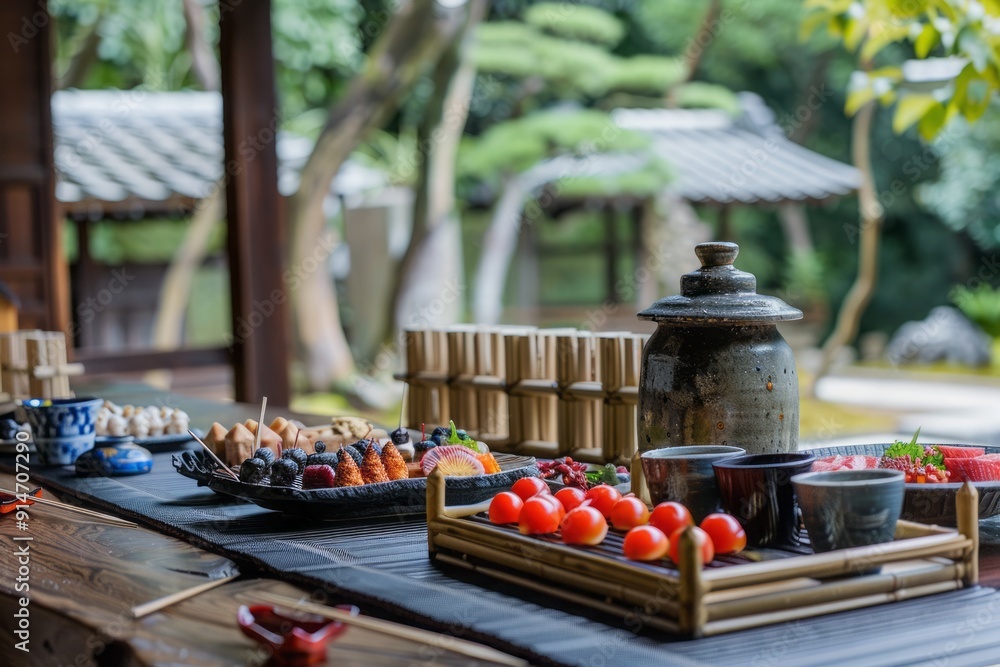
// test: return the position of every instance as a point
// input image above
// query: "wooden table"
(86, 576)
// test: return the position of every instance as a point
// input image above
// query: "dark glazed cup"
(684, 474)
(850, 508)
(757, 490)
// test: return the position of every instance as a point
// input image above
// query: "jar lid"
(719, 293)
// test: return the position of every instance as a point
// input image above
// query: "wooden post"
(31, 257)
(254, 214)
(967, 511)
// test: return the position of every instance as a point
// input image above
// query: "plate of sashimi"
(934, 473)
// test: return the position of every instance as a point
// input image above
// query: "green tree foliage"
(959, 29)
(317, 45)
(965, 195)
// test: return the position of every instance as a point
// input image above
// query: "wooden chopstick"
(80, 510)
(425, 637)
(260, 422)
(212, 454)
(147, 608)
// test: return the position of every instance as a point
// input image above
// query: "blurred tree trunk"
(83, 57)
(436, 231)
(414, 37)
(175, 291)
(204, 64)
(849, 317)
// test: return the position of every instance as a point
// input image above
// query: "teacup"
(850, 508)
(757, 490)
(684, 474)
(63, 427)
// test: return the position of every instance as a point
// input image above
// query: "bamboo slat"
(699, 601)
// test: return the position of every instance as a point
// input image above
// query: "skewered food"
(264, 454)
(283, 472)
(252, 470)
(392, 461)
(348, 473)
(298, 456)
(372, 470)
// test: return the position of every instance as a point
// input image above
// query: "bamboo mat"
(383, 567)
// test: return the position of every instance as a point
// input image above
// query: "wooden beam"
(29, 225)
(255, 216)
(99, 362)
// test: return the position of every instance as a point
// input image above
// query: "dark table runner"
(383, 567)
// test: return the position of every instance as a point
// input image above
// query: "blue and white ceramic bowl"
(63, 427)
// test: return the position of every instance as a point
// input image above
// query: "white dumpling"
(179, 423)
(117, 426)
(139, 426)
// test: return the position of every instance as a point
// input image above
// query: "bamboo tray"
(732, 593)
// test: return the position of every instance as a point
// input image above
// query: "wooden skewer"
(260, 423)
(425, 637)
(212, 454)
(148, 608)
(80, 510)
(295, 444)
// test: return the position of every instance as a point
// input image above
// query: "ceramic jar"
(716, 371)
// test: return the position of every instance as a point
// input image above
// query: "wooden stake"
(260, 424)
(158, 604)
(967, 511)
(208, 449)
(79, 510)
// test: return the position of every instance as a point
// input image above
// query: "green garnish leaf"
(455, 439)
(917, 453)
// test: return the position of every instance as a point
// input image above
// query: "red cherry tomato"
(571, 497)
(701, 538)
(505, 507)
(670, 516)
(603, 497)
(550, 499)
(628, 513)
(584, 525)
(539, 516)
(727, 534)
(526, 487)
(645, 543)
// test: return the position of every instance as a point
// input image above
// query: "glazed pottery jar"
(716, 371)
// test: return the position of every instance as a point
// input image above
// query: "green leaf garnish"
(917, 453)
(454, 439)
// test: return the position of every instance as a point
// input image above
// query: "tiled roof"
(746, 160)
(137, 152)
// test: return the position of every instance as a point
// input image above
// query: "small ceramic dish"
(849, 508)
(685, 475)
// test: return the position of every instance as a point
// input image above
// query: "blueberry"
(297, 455)
(283, 472)
(424, 445)
(252, 470)
(400, 436)
(320, 447)
(264, 454)
(322, 459)
(362, 446)
(461, 433)
(353, 452)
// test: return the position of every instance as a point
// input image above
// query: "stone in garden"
(944, 335)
